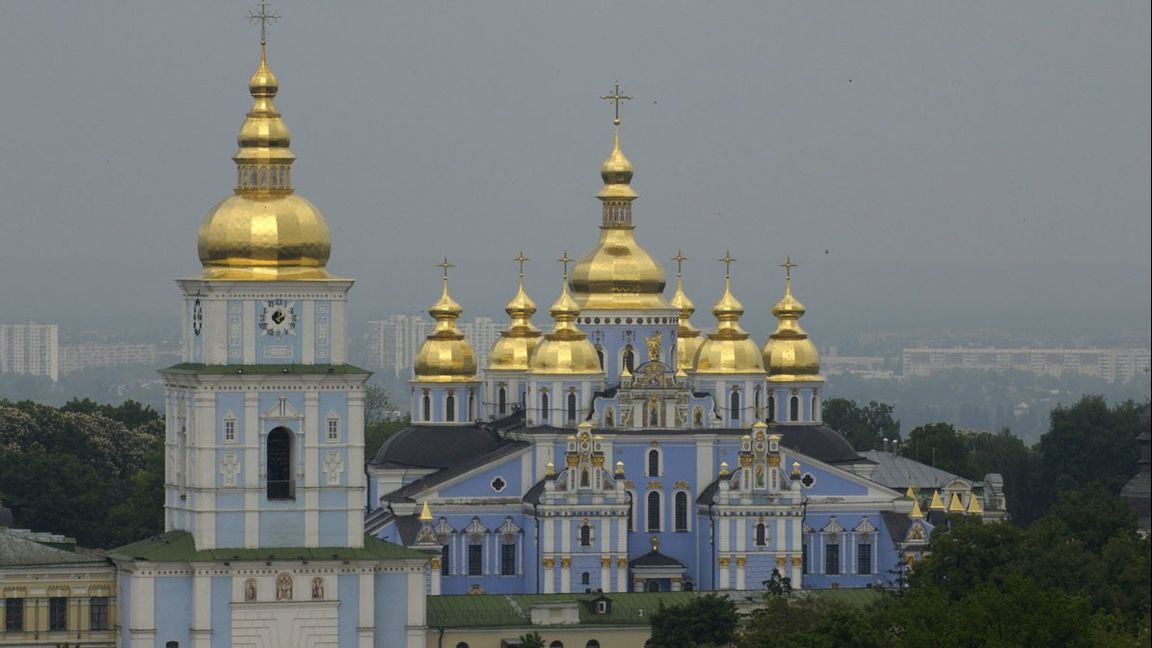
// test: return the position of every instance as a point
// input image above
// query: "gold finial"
(655, 542)
(521, 259)
(263, 18)
(426, 513)
(788, 265)
(728, 260)
(444, 265)
(679, 259)
(565, 259)
(616, 98)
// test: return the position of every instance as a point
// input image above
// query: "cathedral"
(624, 450)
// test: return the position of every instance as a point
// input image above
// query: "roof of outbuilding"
(19, 551)
(895, 471)
(179, 546)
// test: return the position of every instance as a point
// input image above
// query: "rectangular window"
(508, 560)
(333, 429)
(445, 552)
(229, 430)
(58, 613)
(804, 558)
(14, 614)
(98, 606)
(475, 560)
(832, 559)
(864, 558)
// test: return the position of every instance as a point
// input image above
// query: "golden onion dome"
(789, 354)
(728, 349)
(688, 338)
(264, 231)
(617, 273)
(446, 355)
(514, 348)
(565, 350)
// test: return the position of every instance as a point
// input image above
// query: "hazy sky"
(928, 164)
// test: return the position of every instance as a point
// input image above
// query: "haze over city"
(929, 166)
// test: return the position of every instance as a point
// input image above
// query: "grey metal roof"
(655, 559)
(502, 448)
(895, 471)
(18, 551)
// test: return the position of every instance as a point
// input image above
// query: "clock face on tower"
(197, 317)
(278, 318)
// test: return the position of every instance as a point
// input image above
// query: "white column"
(202, 610)
(565, 573)
(251, 458)
(142, 621)
(622, 573)
(310, 437)
(308, 332)
(416, 629)
(723, 576)
(365, 629)
(740, 572)
(606, 573)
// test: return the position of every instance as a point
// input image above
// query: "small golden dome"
(789, 354)
(446, 355)
(513, 350)
(264, 231)
(728, 350)
(688, 338)
(618, 274)
(565, 349)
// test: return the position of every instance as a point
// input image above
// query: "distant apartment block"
(393, 343)
(30, 350)
(1112, 365)
(93, 355)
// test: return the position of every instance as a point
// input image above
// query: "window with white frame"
(653, 512)
(333, 427)
(680, 515)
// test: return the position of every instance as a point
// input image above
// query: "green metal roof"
(263, 369)
(514, 610)
(178, 546)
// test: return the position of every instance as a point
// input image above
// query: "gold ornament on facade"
(728, 349)
(789, 355)
(446, 355)
(548, 563)
(605, 563)
(622, 563)
(565, 563)
(797, 561)
(741, 561)
(781, 561)
(724, 561)
(774, 461)
(653, 343)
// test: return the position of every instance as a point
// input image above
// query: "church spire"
(617, 194)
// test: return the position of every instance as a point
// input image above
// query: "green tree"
(706, 620)
(939, 445)
(531, 640)
(864, 427)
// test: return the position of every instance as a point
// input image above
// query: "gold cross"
(616, 98)
(788, 265)
(565, 259)
(444, 265)
(728, 260)
(264, 18)
(521, 259)
(679, 259)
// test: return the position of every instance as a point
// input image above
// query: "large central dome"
(264, 231)
(618, 274)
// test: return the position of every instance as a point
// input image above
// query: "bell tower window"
(794, 409)
(544, 406)
(502, 400)
(426, 406)
(572, 407)
(734, 406)
(279, 461)
(450, 408)
(771, 407)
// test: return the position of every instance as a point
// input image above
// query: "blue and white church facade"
(625, 450)
(264, 541)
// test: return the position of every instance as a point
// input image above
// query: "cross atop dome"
(727, 260)
(616, 98)
(263, 18)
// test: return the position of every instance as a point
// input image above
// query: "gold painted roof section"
(264, 232)
(565, 349)
(789, 354)
(728, 349)
(513, 350)
(446, 355)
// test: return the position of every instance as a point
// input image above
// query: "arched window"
(585, 535)
(734, 406)
(771, 407)
(462, 644)
(815, 409)
(445, 554)
(468, 415)
(609, 417)
(556, 644)
(761, 535)
(592, 643)
(585, 578)
(794, 409)
(756, 402)
(600, 354)
(278, 460)
(653, 586)
(629, 359)
(544, 406)
(426, 405)
(631, 509)
(653, 511)
(653, 463)
(502, 400)
(450, 408)
(681, 513)
(571, 407)
(584, 478)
